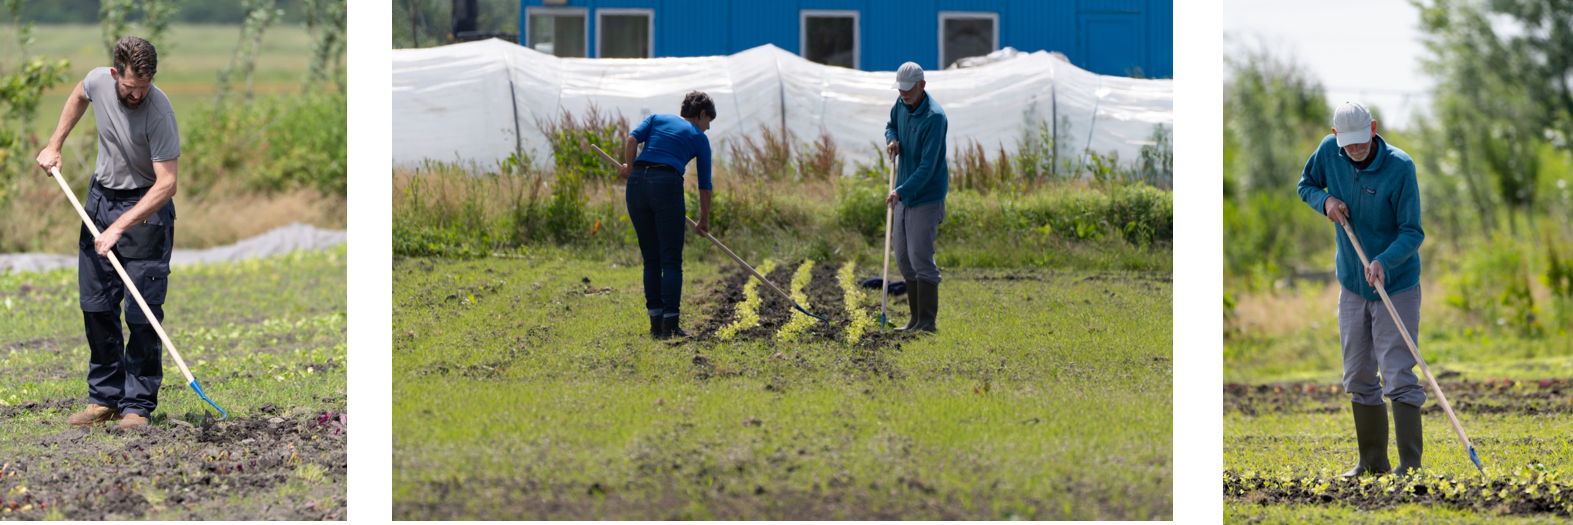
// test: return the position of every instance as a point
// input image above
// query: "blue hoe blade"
(805, 312)
(224, 415)
(1476, 458)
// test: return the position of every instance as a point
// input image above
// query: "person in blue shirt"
(1356, 176)
(656, 205)
(916, 132)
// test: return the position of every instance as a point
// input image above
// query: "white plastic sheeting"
(280, 240)
(479, 101)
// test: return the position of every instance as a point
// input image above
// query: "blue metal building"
(1111, 37)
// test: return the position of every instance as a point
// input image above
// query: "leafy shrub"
(860, 207)
(1491, 288)
(307, 146)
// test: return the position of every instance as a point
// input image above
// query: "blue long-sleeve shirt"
(1384, 210)
(922, 176)
(670, 140)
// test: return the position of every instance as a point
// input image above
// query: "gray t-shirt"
(130, 140)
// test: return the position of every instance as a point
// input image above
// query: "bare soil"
(825, 299)
(1498, 396)
(185, 467)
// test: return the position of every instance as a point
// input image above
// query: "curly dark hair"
(136, 56)
(695, 102)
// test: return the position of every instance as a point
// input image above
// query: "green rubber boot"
(1411, 440)
(1371, 435)
(914, 293)
(928, 307)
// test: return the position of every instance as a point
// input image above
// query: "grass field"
(527, 388)
(238, 174)
(1288, 431)
(188, 65)
(266, 339)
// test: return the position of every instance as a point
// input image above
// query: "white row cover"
(478, 101)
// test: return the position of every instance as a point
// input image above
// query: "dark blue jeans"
(656, 207)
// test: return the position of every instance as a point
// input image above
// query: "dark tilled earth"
(1503, 396)
(824, 297)
(186, 464)
(1535, 496)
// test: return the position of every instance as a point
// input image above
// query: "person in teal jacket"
(1358, 177)
(916, 132)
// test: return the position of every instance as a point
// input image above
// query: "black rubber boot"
(669, 325)
(913, 295)
(928, 306)
(1411, 440)
(657, 330)
(1371, 435)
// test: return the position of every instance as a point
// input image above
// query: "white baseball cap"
(1353, 124)
(910, 73)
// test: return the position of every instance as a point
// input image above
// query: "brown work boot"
(130, 421)
(92, 415)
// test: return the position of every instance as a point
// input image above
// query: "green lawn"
(523, 391)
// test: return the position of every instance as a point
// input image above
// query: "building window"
(556, 31)
(830, 37)
(967, 34)
(624, 33)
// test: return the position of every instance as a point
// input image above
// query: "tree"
(1499, 96)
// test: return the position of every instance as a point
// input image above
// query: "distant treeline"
(191, 12)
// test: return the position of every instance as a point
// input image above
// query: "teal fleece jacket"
(922, 177)
(1384, 209)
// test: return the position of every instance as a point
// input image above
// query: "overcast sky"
(1367, 51)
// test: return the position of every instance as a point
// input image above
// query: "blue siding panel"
(1109, 37)
(1160, 39)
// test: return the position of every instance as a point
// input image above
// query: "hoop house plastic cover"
(479, 101)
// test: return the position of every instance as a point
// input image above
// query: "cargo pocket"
(152, 278)
(143, 241)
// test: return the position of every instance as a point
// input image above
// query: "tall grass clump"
(971, 169)
(819, 160)
(572, 137)
(767, 158)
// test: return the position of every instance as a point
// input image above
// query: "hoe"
(1404, 331)
(729, 252)
(137, 294)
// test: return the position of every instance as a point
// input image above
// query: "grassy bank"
(449, 210)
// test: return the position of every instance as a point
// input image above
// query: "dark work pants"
(657, 209)
(124, 374)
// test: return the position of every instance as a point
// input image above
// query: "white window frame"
(857, 31)
(993, 17)
(530, 11)
(649, 33)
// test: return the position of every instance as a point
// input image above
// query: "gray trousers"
(912, 238)
(1372, 344)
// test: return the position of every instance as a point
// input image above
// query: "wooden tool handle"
(1381, 289)
(130, 285)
